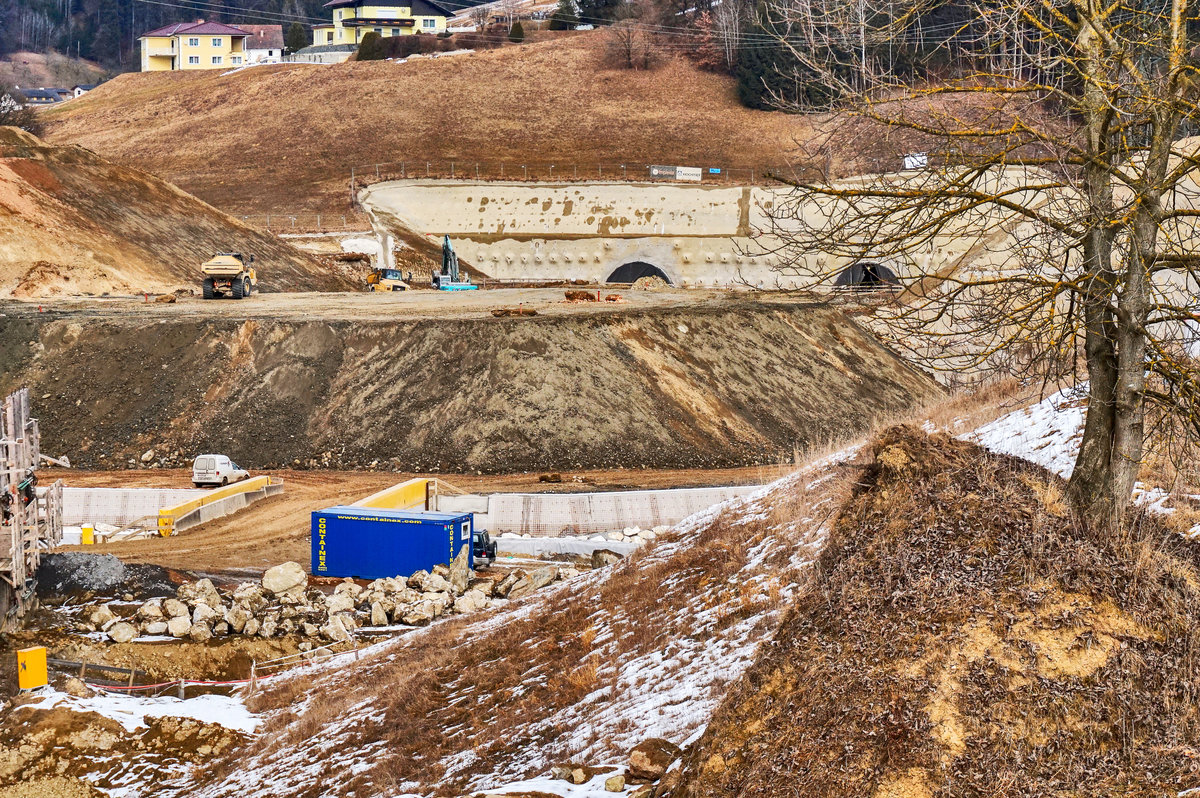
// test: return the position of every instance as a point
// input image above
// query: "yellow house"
(193, 45)
(353, 19)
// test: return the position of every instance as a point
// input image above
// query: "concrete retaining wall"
(224, 507)
(536, 547)
(120, 506)
(554, 514)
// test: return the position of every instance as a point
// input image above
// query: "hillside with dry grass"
(275, 139)
(73, 223)
(965, 637)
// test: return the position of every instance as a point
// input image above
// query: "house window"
(216, 59)
(193, 59)
(329, 36)
(193, 42)
(270, 53)
(429, 24)
(379, 31)
(395, 32)
(216, 41)
(237, 59)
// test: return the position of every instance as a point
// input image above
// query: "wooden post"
(182, 684)
(253, 676)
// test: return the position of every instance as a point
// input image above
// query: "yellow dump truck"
(230, 272)
(386, 280)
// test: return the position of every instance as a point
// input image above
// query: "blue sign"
(712, 170)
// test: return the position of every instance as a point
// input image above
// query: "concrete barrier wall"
(120, 506)
(553, 514)
(224, 507)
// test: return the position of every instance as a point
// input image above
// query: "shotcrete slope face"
(73, 223)
(728, 383)
(695, 235)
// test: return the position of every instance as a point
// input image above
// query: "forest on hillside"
(106, 31)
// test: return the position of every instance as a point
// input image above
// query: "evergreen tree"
(297, 37)
(598, 12)
(370, 48)
(516, 34)
(564, 17)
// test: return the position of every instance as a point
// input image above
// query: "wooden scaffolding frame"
(30, 516)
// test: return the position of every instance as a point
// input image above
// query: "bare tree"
(15, 113)
(629, 42)
(1056, 219)
(481, 15)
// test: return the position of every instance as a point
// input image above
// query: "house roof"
(420, 8)
(264, 37)
(195, 28)
(87, 86)
(42, 94)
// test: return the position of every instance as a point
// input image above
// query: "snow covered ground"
(131, 711)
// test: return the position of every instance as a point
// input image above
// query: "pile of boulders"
(631, 534)
(283, 604)
(649, 761)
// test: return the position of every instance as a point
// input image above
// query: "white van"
(216, 469)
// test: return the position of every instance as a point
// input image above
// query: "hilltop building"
(193, 45)
(264, 44)
(353, 19)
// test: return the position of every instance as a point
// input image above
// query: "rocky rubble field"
(282, 603)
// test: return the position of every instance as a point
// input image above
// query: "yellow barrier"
(410, 495)
(167, 515)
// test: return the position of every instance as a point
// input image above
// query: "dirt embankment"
(677, 388)
(964, 637)
(73, 223)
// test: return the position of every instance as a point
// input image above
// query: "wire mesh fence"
(309, 222)
(560, 172)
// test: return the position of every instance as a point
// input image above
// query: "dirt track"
(275, 530)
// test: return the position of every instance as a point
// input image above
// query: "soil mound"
(679, 388)
(74, 573)
(73, 223)
(965, 638)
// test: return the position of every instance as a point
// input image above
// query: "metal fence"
(310, 222)
(558, 171)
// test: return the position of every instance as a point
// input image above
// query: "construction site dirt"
(277, 529)
(426, 382)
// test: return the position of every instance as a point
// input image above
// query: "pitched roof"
(264, 37)
(196, 28)
(420, 8)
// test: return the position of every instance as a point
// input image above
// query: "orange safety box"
(31, 668)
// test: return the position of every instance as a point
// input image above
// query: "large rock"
(101, 615)
(603, 557)
(334, 630)
(199, 592)
(460, 571)
(155, 628)
(174, 608)
(440, 601)
(200, 632)
(237, 617)
(471, 601)
(251, 627)
(379, 615)
(122, 632)
(540, 577)
(522, 587)
(268, 627)
(179, 625)
(151, 611)
(417, 614)
(284, 577)
(204, 613)
(349, 586)
(503, 587)
(650, 758)
(339, 602)
(615, 783)
(429, 583)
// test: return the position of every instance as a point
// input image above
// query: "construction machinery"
(386, 280)
(449, 278)
(230, 272)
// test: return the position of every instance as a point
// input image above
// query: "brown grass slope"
(963, 638)
(72, 223)
(476, 701)
(284, 138)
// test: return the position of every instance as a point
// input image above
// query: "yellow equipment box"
(31, 668)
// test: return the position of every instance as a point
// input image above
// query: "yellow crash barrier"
(167, 515)
(410, 495)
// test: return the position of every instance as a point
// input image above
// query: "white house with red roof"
(264, 45)
(193, 45)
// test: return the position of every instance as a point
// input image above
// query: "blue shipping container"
(369, 543)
